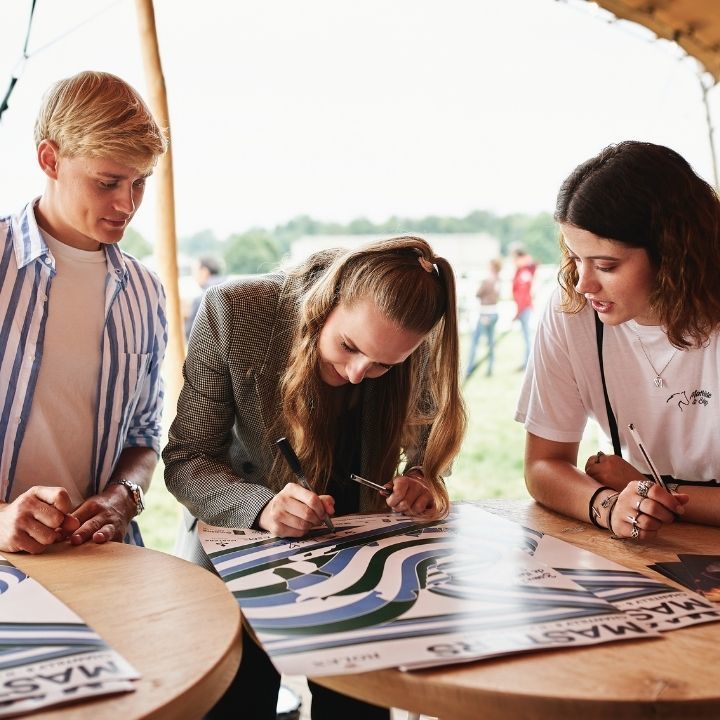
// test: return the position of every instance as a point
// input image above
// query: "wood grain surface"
(675, 676)
(175, 622)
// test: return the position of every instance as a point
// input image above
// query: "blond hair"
(96, 114)
(420, 399)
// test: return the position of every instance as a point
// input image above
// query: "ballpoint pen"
(648, 460)
(294, 463)
(369, 483)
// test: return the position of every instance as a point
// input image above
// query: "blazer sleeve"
(197, 465)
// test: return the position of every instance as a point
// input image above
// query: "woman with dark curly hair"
(630, 338)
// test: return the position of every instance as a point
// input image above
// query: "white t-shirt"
(58, 443)
(678, 422)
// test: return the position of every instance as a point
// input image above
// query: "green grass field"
(490, 464)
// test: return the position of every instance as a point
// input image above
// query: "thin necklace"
(658, 381)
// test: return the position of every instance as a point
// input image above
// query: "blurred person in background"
(522, 294)
(488, 295)
(207, 270)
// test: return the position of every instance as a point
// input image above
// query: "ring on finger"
(598, 456)
(638, 503)
(643, 487)
(634, 520)
(635, 534)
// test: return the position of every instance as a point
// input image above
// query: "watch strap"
(135, 491)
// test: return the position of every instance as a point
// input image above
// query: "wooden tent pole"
(710, 129)
(165, 243)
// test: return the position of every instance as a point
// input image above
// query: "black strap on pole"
(16, 74)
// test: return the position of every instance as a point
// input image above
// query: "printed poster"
(48, 655)
(387, 591)
(652, 603)
(700, 573)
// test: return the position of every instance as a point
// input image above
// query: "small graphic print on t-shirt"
(696, 397)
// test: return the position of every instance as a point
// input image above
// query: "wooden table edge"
(193, 696)
(501, 705)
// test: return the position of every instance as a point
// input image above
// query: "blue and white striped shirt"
(130, 388)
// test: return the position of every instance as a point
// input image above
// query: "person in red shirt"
(522, 294)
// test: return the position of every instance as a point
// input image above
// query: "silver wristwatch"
(136, 493)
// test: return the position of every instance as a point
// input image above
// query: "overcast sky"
(347, 108)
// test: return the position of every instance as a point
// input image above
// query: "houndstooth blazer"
(219, 459)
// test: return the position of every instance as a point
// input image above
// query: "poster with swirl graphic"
(48, 655)
(387, 591)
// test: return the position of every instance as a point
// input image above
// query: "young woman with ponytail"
(353, 357)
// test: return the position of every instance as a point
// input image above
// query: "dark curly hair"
(647, 196)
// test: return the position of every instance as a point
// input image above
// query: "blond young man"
(82, 326)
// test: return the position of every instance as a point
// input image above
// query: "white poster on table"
(48, 655)
(386, 591)
(651, 602)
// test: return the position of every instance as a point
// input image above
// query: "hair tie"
(426, 265)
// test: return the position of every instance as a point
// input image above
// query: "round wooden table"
(175, 622)
(675, 676)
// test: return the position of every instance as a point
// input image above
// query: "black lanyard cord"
(610, 414)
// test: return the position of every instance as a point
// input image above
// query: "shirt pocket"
(130, 380)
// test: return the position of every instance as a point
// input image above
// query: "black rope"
(16, 75)
(26, 56)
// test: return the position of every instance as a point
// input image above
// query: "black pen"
(294, 463)
(369, 483)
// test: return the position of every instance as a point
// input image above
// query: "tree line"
(258, 249)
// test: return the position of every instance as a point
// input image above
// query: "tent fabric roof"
(692, 24)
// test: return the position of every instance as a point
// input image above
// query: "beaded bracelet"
(593, 512)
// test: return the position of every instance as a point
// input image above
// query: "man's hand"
(294, 510)
(37, 518)
(105, 516)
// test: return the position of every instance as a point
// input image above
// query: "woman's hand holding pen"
(294, 511)
(408, 495)
(642, 507)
